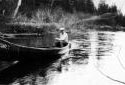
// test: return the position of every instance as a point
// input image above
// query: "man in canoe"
(63, 38)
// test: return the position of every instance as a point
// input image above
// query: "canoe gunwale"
(16, 45)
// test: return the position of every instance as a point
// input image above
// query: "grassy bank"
(42, 21)
(47, 20)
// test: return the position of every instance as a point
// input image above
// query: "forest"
(52, 11)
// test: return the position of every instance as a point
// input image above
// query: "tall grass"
(55, 19)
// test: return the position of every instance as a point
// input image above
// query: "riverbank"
(47, 21)
(43, 21)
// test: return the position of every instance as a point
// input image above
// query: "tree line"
(119, 19)
(85, 6)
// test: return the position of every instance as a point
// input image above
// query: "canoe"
(12, 51)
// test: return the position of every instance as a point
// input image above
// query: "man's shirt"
(64, 37)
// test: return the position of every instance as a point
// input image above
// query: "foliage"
(7, 7)
(90, 6)
(62, 13)
(120, 19)
(46, 19)
(103, 8)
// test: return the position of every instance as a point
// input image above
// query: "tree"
(90, 8)
(113, 9)
(85, 6)
(80, 5)
(120, 19)
(17, 8)
(103, 8)
(7, 7)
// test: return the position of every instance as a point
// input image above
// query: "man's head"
(62, 29)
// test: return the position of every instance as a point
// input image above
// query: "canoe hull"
(10, 51)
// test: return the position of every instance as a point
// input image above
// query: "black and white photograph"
(62, 42)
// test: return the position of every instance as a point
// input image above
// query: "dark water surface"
(96, 58)
(46, 40)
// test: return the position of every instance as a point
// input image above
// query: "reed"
(51, 19)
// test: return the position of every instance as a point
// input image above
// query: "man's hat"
(62, 28)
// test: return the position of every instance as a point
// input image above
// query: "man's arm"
(59, 39)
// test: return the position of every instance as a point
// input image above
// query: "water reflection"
(46, 40)
(95, 56)
(104, 44)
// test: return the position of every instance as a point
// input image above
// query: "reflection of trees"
(80, 54)
(104, 45)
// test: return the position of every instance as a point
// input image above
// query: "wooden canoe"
(11, 51)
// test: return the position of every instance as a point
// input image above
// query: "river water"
(96, 58)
